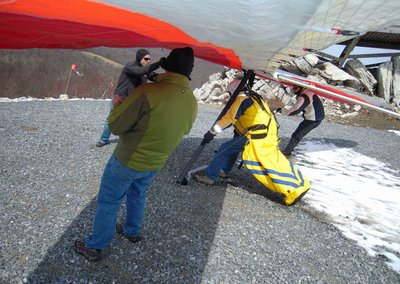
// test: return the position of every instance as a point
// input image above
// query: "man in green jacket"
(150, 123)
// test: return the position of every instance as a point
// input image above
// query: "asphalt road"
(50, 174)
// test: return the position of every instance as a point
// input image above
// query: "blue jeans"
(226, 156)
(105, 136)
(118, 181)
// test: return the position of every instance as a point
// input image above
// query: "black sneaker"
(90, 254)
(133, 239)
(102, 143)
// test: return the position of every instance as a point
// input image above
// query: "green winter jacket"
(152, 121)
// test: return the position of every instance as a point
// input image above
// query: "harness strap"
(258, 136)
(258, 99)
(257, 127)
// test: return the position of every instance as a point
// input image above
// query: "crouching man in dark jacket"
(312, 109)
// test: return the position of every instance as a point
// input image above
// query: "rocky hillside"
(383, 88)
(385, 84)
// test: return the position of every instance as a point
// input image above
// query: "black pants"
(304, 128)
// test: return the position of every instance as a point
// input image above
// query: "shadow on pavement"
(179, 227)
(239, 177)
(340, 143)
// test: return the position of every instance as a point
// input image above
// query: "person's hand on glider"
(208, 137)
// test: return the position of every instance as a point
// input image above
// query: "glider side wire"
(335, 23)
(317, 46)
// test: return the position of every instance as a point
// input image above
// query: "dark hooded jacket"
(133, 75)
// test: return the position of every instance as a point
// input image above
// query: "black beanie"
(180, 60)
(140, 54)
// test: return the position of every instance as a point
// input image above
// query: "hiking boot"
(222, 174)
(90, 254)
(102, 143)
(204, 179)
(133, 239)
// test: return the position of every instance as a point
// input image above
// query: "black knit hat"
(140, 54)
(180, 60)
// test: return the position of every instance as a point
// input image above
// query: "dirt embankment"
(41, 73)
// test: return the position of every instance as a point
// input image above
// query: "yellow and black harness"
(264, 160)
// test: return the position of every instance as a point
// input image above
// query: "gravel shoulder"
(50, 174)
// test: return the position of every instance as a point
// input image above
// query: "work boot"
(90, 254)
(133, 239)
(203, 179)
(222, 174)
(290, 146)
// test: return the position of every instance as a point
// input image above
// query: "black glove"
(278, 110)
(152, 76)
(207, 137)
(162, 62)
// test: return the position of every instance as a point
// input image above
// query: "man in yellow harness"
(256, 134)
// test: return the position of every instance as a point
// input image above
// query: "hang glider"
(252, 35)
(255, 35)
(334, 93)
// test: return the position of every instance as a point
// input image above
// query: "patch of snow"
(397, 132)
(358, 194)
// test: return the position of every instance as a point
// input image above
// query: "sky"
(336, 50)
(364, 203)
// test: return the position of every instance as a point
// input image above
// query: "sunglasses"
(147, 58)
